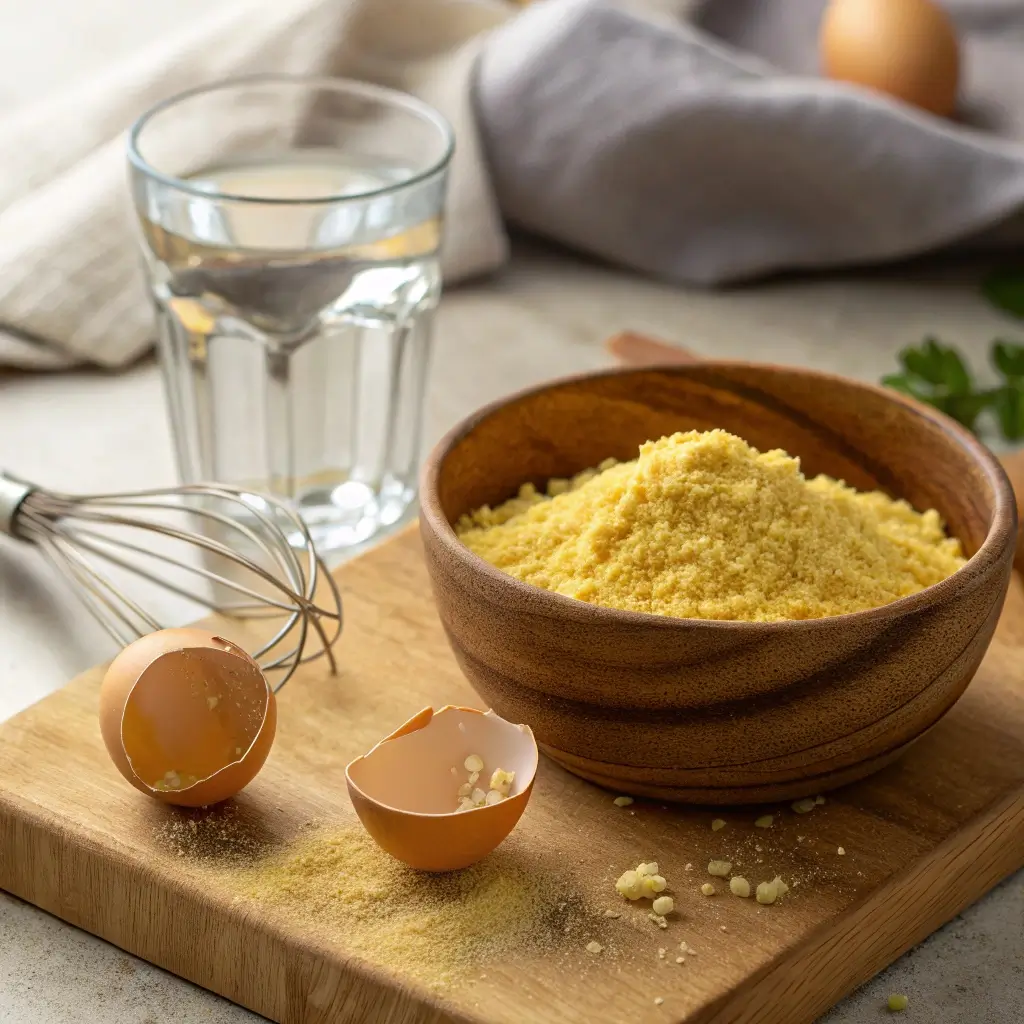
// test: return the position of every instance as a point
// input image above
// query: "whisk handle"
(12, 493)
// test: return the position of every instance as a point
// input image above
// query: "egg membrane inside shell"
(190, 714)
(412, 769)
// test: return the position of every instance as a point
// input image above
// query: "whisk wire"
(213, 547)
(118, 606)
(93, 542)
(282, 559)
(131, 500)
(285, 555)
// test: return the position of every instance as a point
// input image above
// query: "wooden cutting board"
(922, 840)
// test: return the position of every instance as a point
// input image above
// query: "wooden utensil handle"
(639, 350)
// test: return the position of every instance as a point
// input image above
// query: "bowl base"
(604, 774)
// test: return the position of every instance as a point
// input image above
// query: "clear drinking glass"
(291, 229)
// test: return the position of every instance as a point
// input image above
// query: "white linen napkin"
(71, 282)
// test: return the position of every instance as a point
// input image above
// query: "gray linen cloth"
(708, 153)
(688, 140)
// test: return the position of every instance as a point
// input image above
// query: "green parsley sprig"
(936, 373)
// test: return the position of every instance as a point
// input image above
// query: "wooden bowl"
(709, 711)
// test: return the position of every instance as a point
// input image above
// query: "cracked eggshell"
(189, 704)
(406, 794)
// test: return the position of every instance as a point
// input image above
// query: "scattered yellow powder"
(213, 836)
(438, 928)
(702, 525)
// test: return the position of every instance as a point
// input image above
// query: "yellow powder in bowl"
(702, 525)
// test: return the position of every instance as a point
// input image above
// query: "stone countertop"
(546, 315)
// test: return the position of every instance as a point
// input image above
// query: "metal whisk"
(264, 542)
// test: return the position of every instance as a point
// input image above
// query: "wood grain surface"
(923, 839)
(707, 711)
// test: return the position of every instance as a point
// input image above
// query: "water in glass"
(295, 334)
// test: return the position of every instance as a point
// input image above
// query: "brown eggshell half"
(191, 702)
(406, 794)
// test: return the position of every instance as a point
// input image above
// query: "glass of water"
(291, 229)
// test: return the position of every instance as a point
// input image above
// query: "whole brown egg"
(905, 48)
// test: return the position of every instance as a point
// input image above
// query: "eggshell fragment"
(187, 716)
(407, 798)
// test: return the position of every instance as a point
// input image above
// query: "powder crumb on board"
(642, 881)
(595, 947)
(622, 801)
(219, 835)
(658, 1001)
(739, 886)
(663, 905)
(765, 821)
(717, 825)
(752, 539)
(841, 851)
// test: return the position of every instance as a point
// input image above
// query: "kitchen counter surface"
(545, 315)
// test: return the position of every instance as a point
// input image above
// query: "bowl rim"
(999, 543)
